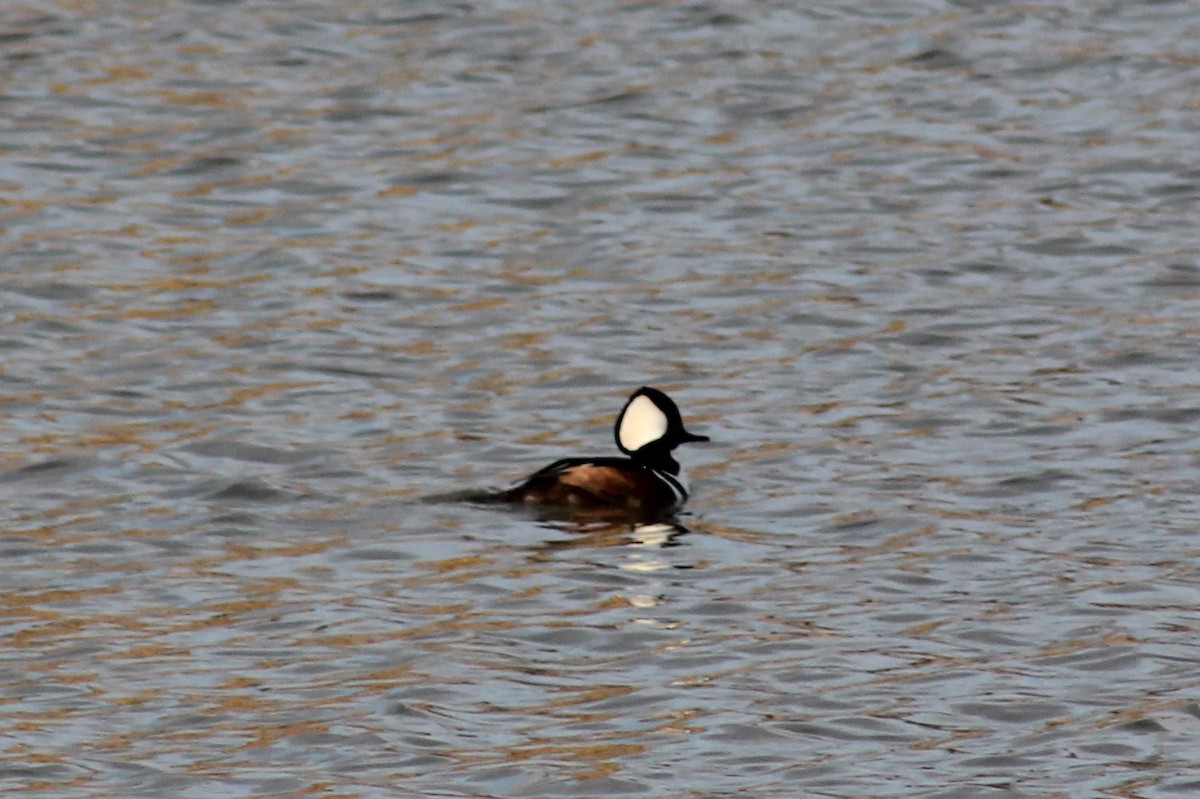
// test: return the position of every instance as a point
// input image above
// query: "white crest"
(642, 423)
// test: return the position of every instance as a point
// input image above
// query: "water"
(274, 272)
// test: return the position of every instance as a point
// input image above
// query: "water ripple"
(273, 276)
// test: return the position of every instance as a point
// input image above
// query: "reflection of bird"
(613, 532)
(649, 481)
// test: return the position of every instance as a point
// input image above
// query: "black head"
(650, 423)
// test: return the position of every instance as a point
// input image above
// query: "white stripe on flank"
(678, 484)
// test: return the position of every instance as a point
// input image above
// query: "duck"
(648, 480)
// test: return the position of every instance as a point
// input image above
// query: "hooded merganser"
(649, 480)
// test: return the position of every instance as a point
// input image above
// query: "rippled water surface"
(274, 272)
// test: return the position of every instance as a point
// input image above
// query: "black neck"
(656, 456)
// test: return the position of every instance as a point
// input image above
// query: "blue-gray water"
(272, 272)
